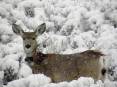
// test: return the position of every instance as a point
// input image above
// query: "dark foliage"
(29, 11)
(9, 75)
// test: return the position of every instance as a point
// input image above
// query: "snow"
(40, 80)
(72, 26)
(36, 80)
(25, 71)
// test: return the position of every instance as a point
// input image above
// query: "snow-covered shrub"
(29, 11)
(9, 75)
(71, 26)
(43, 81)
(24, 71)
(36, 80)
(53, 43)
(1, 78)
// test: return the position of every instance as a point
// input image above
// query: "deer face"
(29, 38)
(29, 43)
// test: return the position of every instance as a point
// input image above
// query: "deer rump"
(68, 67)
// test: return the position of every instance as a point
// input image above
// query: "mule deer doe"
(60, 67)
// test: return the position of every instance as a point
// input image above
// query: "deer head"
(29, 38)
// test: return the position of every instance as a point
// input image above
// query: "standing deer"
(60, 67)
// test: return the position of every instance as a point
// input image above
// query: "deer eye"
(33, 38)
(24, 38)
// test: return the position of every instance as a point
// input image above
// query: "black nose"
(28, 46)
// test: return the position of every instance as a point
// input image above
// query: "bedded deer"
(60, 67)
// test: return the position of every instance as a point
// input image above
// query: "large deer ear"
(40, 29)
(17, 29)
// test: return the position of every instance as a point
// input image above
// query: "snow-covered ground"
(72, 26)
